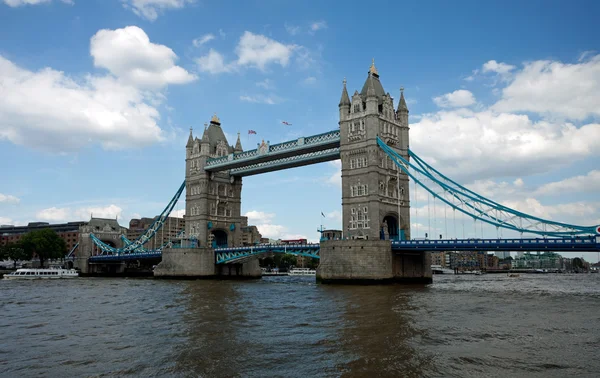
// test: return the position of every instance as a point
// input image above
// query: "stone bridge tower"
(213, 200)
(375, 200)
(107, 230)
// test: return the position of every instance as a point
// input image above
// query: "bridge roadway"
(229, 255)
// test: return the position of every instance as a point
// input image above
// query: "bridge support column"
(369, 261)
(248, 269)
(186, 263)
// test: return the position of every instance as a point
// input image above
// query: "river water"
(460, 326)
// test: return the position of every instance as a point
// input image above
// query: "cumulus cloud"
(150, 9)
(213, 63)
(335, 178)
(488, 144)
(55, 214)
(18, 3)
(128, 54)
(7, 198)
(589, 183)
(5, 221)
(252, 50)
(175, 213)
(52, 111)
(261, 99)
(499, 68)
(264, 223)
(255, 216)
(552, 88)
(318, 25)
(202, 40)
(458, 98)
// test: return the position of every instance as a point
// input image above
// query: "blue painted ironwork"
(70, 254)
(147, 235)
(572, 244)
(300, 146)
(231, 255)
(288, 162)
(126, 257)
(479, 207)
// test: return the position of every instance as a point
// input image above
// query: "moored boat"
(438, 269)
(302, 272)
(31, 274)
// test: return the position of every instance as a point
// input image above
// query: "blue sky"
(98, 97)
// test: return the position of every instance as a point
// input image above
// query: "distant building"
(69, 232)
(438, 258)
(502, 255)
(331, 235)
(171, 229)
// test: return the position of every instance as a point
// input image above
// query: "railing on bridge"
(297, 148)
(574, 244)
(229, 255)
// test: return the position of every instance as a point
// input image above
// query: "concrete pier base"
(186, 263)
(370, 262)
(247, 270)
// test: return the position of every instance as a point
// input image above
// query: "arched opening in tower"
(219, 239)
(391, 223)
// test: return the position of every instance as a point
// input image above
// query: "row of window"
(356, 126)
(359, 218)
(359, 190)
(195, 189)
(358, 162)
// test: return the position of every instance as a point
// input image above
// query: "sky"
(98, 97)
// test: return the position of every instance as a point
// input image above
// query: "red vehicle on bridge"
(294, 241)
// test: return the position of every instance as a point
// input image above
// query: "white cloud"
(335, 179)
(202, 40)
(292, 29)
(271, 231)
(487, 144)
(309, 80)
(253, 50)
(5, 221)
(50, 111)
(18, 3)
(176, 213)
(128, 54)
(318, 25)
(260, 99)
(458, 98)
(213, 63)
(588, 183)
(149, 9)
(7, 198)
(555, 89)
(336, 216)
(499, 68)
(258, 51)
(55, 214)
(266, 84)
(255, 216)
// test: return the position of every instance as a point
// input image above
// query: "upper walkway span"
(267, 158)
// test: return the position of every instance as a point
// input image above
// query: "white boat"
(438, 269)
(31, 274)
(302, 272)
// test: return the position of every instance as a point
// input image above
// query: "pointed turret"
(190, 142)
(402, 103)
(238, 145)
(205, 142)
(345, 100)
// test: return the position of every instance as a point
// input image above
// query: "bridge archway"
(219, 238)
(389, 227)
(109, 242)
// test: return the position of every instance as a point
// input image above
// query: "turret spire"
(190, 142)
(373, 69)
(402, 102)
(345, 100)
(238, 144)
(205, 135)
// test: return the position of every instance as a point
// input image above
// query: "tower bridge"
(372, 142)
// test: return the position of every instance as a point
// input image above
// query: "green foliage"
(15, 252)
(45, 244)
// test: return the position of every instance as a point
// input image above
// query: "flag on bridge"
(251, 132)
(286, 123)
(322, 214)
